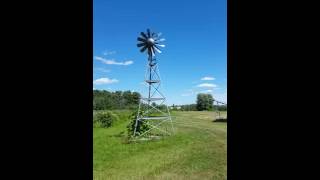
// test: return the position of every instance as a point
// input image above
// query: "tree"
(135, 98)
(204, 102)
(105, 100)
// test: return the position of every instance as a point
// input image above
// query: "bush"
(141, 126)
(105, 119)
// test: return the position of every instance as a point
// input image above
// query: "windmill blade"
(143, 49)
(149, 51)
(158, 41)
(144, 35)
(141, 44)
(156, 36)
(141, 39)
(152, 51)
(161, 45)
(157, 47)
(148, 30)
(158, 50)
(161, 40)
(150, 42)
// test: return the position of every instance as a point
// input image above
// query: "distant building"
(175, 107)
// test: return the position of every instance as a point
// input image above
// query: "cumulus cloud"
(109, 53)
(104, 81)
(103, 70)
(207, 78)
(112, 61)
(207, 91)
(207, 85)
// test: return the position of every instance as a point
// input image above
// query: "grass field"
(198, 150)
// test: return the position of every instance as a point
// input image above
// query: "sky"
(194, 59)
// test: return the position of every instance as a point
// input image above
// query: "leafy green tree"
(135, 98)
(105, 100)
(204, 102)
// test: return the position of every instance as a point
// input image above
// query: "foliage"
(141, 126)
(220, 107)
(193, 107)
(204, 102)
(105, 100)
(189, 107)
(105, 119)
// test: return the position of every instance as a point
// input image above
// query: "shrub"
(141, 126)
(105, 119)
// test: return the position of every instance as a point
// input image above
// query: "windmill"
(159, 119)
(218, 115)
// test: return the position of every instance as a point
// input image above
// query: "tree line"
(204, 103)
(105, 100)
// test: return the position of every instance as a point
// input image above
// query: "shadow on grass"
(220, 120)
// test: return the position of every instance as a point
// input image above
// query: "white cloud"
(207, 91)
(104, 81)
(109, 53)
(103, 70)
(207, 78)
(94, 89)
(207, 85)
(113, 62)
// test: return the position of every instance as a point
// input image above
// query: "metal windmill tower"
(218, 115)
(159, 119)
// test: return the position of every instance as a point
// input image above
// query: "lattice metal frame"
(218, 115)
(153, 81)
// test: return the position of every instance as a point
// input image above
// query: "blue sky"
(194, 59)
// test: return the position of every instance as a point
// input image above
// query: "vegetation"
(104, 119)
(220, 107)
(193, 107)
(198, 150)
(105, 100)
(189, 107)
(204, 102)
(141, 126)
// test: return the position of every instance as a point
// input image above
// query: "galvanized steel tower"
(155, 112)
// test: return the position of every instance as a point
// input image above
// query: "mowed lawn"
(198, 150)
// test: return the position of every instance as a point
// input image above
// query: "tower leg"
(170, 119)
(137, 119)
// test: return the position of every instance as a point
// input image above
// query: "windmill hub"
(151, 41)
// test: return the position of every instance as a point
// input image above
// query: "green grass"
(198, 150)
